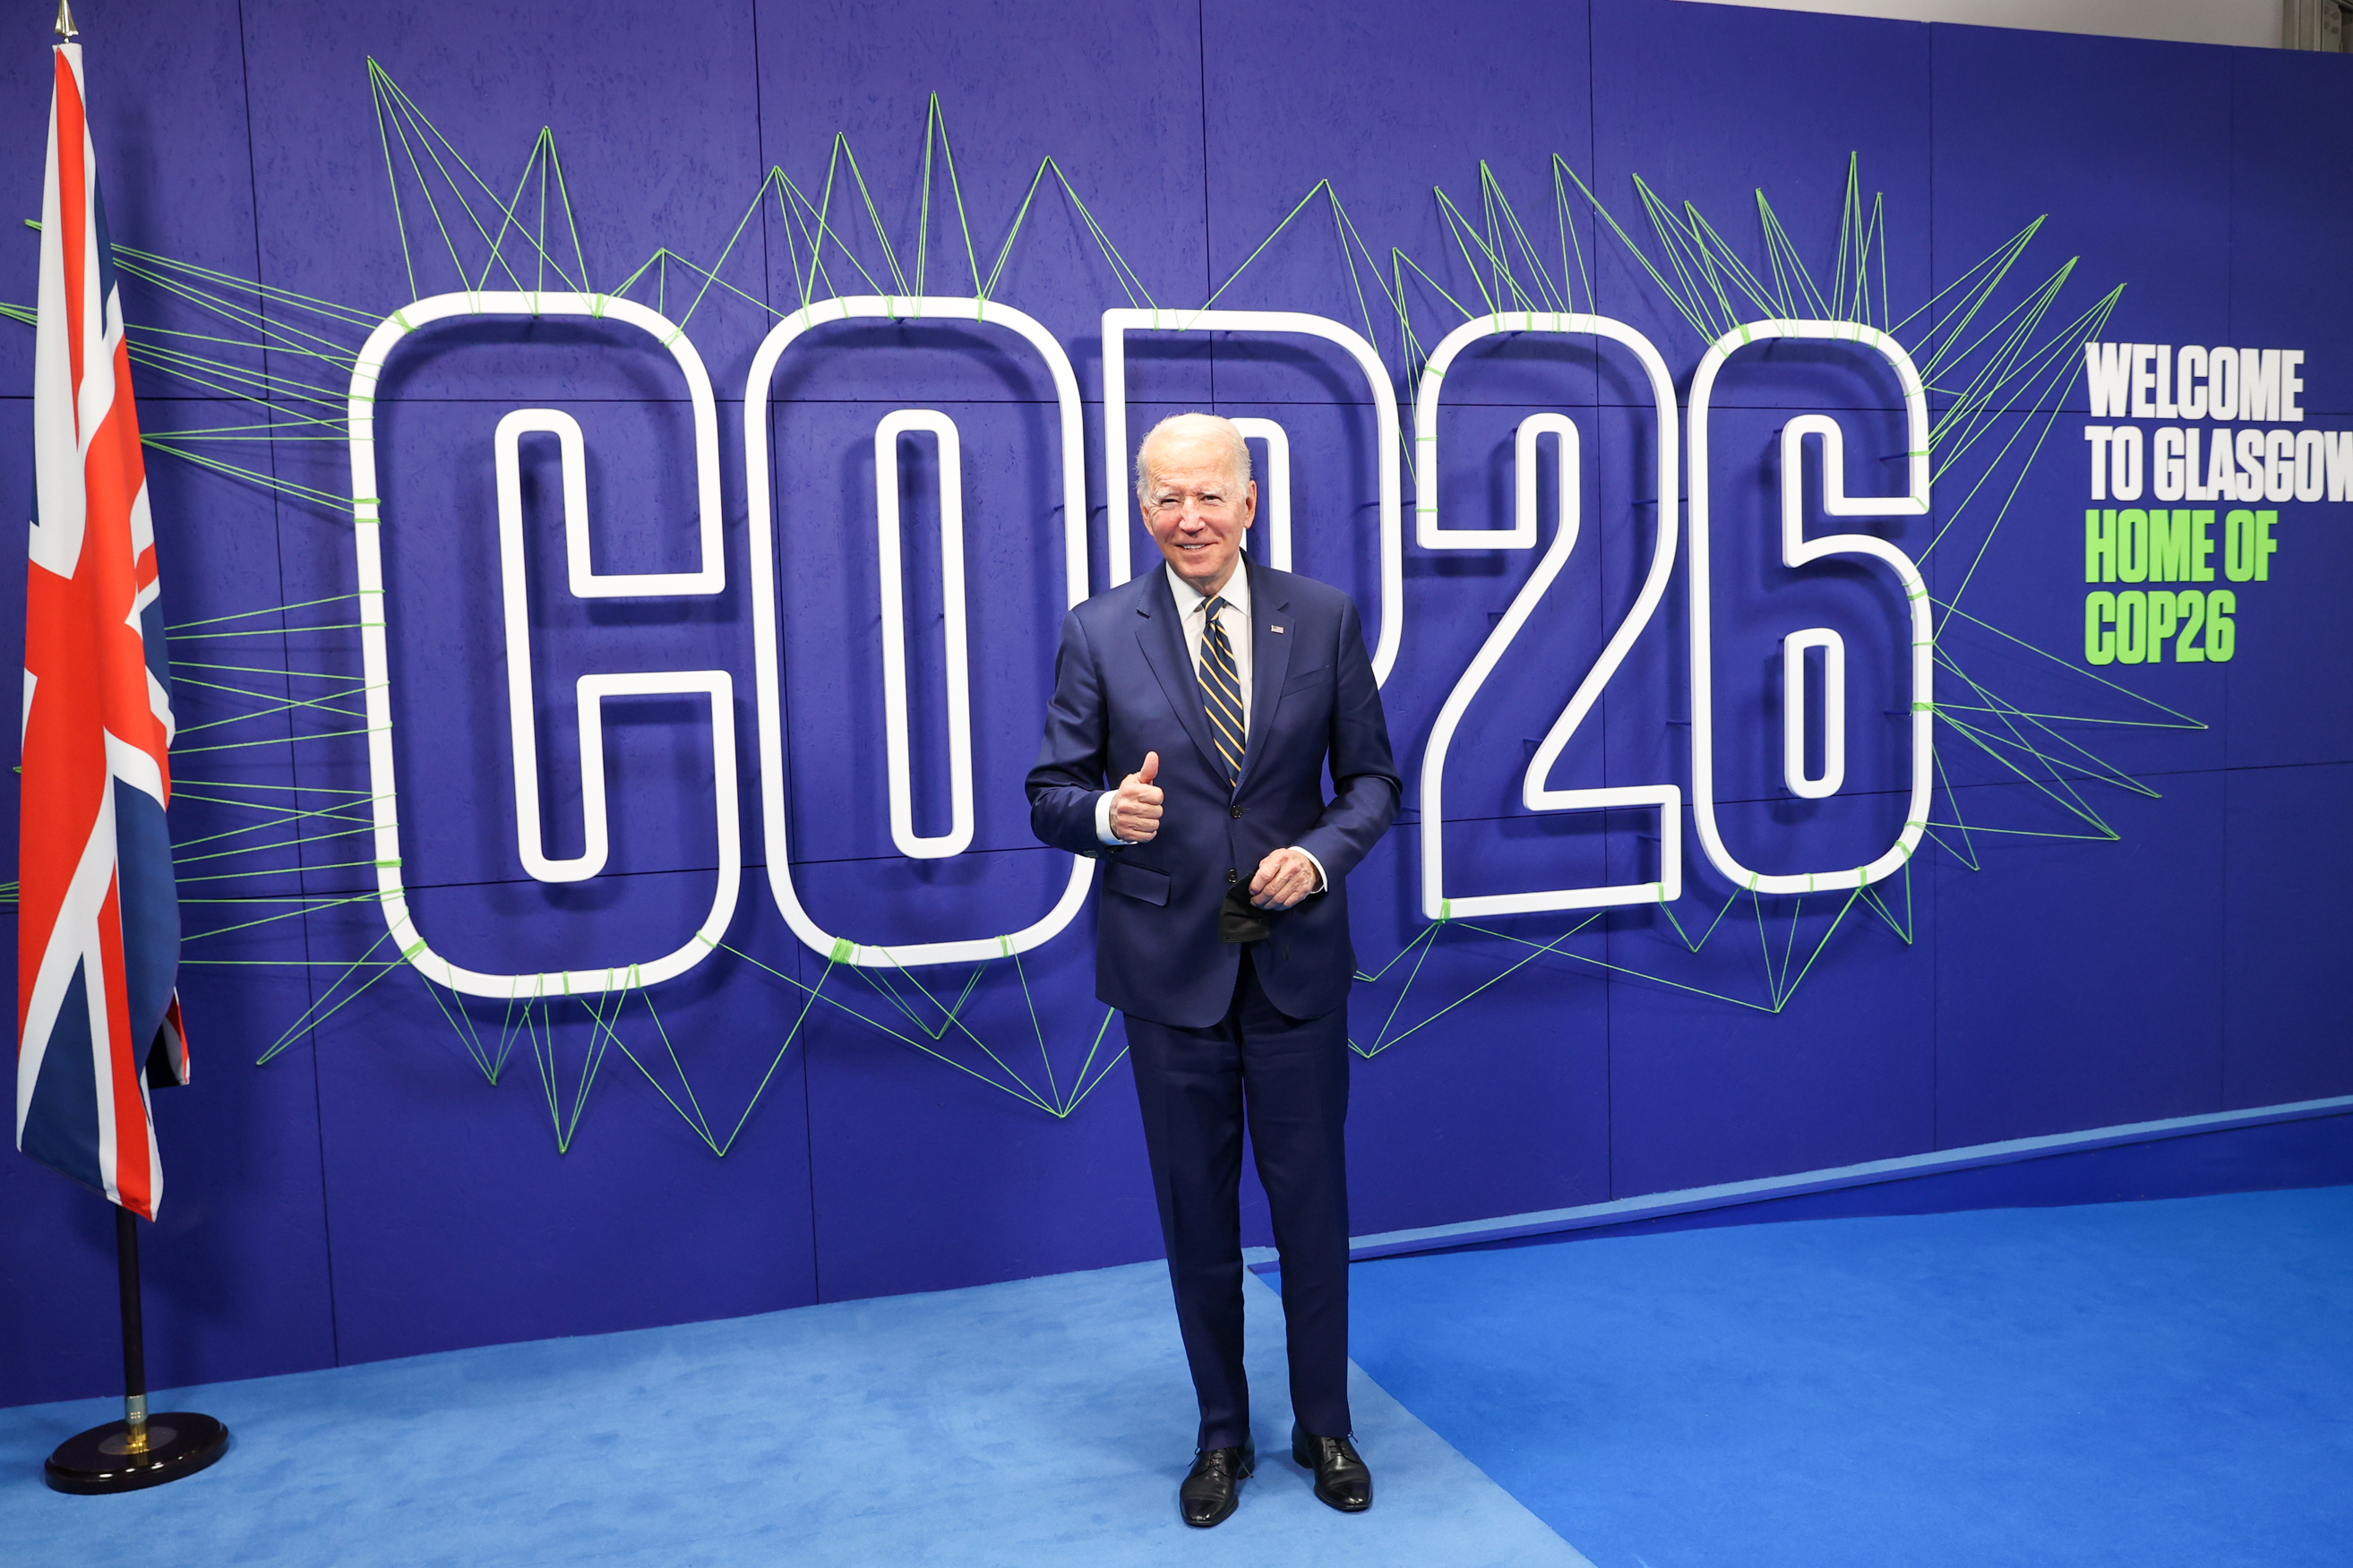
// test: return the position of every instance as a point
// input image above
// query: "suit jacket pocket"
(1308, 680)
(1135, 881)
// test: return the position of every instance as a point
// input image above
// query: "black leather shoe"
(1342, 1478)
(1214, 1485)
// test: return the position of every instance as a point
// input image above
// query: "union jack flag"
(99, 933)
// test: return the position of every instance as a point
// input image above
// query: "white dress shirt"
(1192, 614)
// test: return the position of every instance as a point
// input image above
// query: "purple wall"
(367, 1193)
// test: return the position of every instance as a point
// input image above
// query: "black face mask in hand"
(1240, 920)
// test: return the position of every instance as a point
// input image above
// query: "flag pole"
(140, 1450)
(135, 1327)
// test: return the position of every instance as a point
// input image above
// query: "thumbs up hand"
(1135, 810)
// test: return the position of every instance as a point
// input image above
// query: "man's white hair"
(1239, 452)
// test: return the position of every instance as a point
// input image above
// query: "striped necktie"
(1221, 690)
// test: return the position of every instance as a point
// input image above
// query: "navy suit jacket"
(1124, 686)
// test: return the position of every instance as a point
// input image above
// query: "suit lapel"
(1269, 660)
(1162, 641)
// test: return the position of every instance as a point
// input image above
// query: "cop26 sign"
(1813, 767)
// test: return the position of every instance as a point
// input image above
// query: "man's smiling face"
(1197, 504)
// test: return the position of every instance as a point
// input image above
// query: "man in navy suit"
(1195, 711)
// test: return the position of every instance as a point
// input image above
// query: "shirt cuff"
(1323, 882)
(1104, 803)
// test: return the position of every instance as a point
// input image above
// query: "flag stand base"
(179, 1443)
(140, 1450)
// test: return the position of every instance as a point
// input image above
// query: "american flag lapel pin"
(1274, 628)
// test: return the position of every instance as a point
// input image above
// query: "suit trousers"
(1288, 1077)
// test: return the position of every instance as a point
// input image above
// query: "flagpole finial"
(66, 28)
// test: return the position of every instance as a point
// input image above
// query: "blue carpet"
(1034, 1424)
(2144, 1383)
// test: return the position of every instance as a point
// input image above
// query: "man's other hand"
(1135, 810)
(1283, 879)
